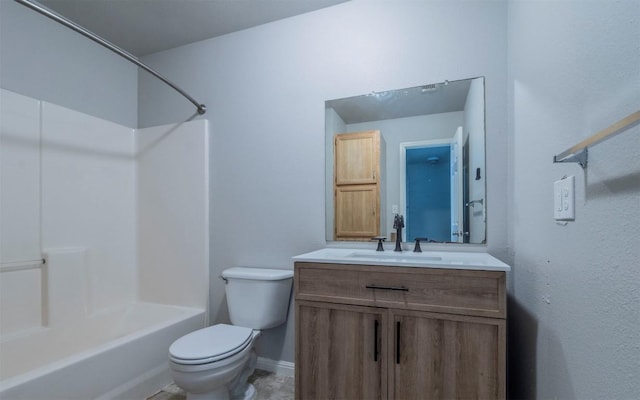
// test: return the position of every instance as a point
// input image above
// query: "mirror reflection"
(417, 152)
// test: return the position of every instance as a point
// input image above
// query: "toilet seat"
(210, 344)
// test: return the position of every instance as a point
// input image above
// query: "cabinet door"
(340, 352)
(441, 356)
(357, 158)
(357, 209)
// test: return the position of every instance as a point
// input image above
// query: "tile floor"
(269, 386)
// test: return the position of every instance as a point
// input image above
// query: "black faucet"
(398, 224)
(380, 239)
(417, 248)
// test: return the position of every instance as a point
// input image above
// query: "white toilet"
(215, 362)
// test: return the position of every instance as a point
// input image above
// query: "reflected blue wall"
(428, 194)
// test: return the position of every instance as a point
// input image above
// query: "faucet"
(398, 224)
(380, 239)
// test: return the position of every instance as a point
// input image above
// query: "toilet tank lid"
(265, 274)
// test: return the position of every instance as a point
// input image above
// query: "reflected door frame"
(457, 187)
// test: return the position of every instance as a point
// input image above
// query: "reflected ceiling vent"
(429, 88)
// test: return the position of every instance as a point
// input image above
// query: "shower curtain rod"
(122, 53)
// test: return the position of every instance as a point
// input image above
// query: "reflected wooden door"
(357, 185)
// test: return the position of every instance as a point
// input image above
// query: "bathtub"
(116, 354)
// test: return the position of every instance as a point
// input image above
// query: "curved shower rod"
(122, 53)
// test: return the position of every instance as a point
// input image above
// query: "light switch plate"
(564, 199)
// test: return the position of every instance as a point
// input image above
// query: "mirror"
(418, 152)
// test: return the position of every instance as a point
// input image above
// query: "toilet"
(214, 363)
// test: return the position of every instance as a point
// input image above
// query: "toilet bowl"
(214, 363)
(206, 362)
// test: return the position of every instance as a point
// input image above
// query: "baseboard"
(279, 367)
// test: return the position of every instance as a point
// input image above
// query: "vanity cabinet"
(377, 332)
(357, 185)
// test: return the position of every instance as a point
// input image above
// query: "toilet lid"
(210, 344)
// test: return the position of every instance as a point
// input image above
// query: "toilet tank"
(258, 298)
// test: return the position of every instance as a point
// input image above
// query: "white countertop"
(426, 259)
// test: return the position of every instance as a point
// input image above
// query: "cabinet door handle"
(375, 340)
(398, 342)
(402, 288)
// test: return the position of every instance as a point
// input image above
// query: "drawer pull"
(402, 288)
(375, 340)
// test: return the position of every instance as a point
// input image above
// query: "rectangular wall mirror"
(418, 152)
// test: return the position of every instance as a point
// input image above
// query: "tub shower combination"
(95, 281)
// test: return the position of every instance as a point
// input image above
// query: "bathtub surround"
(67, 288)
(76, 162)
(120, 217)
(173, 213)
(84, 160)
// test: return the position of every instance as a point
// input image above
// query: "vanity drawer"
(453, 291)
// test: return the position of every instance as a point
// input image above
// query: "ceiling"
(420, 100)
(147, 26)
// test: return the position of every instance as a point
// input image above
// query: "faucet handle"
(398, 221)
(417, 248)
(380, 239)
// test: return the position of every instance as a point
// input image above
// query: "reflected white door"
(457, 208)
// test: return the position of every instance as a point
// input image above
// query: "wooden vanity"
(395, 332)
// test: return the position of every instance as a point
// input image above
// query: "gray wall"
(42, 59)
(575, 296)
(265, 90)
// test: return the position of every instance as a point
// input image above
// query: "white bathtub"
(120, 354)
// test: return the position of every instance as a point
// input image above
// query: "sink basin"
(426, 259)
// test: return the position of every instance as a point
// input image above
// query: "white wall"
(44, 60)
(173, 213)
(265, 90)
(574, 69)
